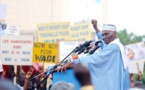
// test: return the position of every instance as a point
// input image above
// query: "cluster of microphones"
(86, 48)
(83, 48)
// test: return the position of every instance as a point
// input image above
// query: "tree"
(126, 38)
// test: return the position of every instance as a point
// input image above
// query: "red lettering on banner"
(16, 47)
(5, 41)
(21, 41)
(17, 52)
(12, 52)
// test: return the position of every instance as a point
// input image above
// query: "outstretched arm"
(94, 23)
(28, 75)
(98, 33)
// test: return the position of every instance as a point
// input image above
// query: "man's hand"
(92, 45)
(29, 73)
(64, 67)
(94, 23)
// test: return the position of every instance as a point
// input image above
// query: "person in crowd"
(131, 54)
(62, 85)
(3, 74)
(28, 85)
(109, 66)
(138, 82)
(7, 85)
(42, 86)
(135, 85)
(132, 82)
(11, 73)
(82, 74)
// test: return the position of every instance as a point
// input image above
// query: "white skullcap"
(109, 27)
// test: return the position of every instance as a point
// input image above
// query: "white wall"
(28, 13)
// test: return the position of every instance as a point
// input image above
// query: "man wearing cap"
(108, 67)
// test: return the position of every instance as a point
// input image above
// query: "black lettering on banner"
(45, 58)
(53, 46)
(39, 45)
(51, 41)
(43, 51)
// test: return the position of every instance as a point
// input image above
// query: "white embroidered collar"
(124, 57)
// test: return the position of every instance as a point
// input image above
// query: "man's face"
(108, 36)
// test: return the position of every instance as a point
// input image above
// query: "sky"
(125, 14)
(129, 14)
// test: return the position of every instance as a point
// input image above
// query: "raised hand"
(29, 73)
(94, 23)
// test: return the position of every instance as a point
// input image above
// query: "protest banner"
(2, 28)
(1, 67)
(136, 55)
(12, 30)
(3, 11)
(135, 52)
(134, 69)
(53, 32)
(65, 47)
(9, 29)
(81, 32)
(16, 50)
(45, 52)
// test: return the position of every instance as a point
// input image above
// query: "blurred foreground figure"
(62, 86)
(7, 85)
(82, 74)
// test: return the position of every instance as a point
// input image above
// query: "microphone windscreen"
(75, 56)
(98, 42)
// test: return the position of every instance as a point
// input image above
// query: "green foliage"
(143, 77)
(128, 38)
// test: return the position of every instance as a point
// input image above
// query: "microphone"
(83, 47)
(77, 48)
(97, 44)
(87, 49)
(86, 44)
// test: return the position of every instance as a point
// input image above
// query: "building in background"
(28, 13)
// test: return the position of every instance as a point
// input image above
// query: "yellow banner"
(45, 52)
(81, 32)
(53, 32)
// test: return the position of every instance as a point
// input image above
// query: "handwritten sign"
(16, 50)
(65, 47)
(81, 32)
(45, 52)
(9, 29)
(136, 52)
(12, 30)
(3, 28)
(3, 11)
(1, 67)
(53, 32)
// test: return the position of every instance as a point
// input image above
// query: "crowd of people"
(23, 80)
(105, 70)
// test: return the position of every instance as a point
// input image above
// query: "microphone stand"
(51, 69)
(48, 73)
